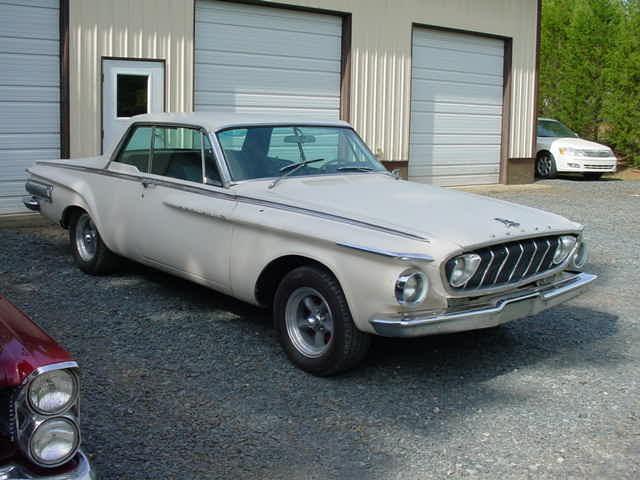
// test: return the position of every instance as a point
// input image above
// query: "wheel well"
(541, 152)
(68, 213)
(273, 274)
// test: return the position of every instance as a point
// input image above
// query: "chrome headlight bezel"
(466, 265)
(73, 397)
(566, 246)
(28, 418)
(403, 283)
(580, 256)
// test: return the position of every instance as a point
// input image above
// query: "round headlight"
(54, 441)
(580, 257)
(463, 268)
(565, 246)
(53, 392)
(411, 287)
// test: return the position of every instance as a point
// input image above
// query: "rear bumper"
(81, 471)
(31, 203)
(503, 310)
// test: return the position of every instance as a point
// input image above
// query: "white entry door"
(129, 87)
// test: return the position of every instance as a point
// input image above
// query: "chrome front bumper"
(82, 471)
(502, 310)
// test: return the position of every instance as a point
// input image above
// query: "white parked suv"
(561, 150)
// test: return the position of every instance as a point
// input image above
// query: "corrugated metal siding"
(381, 58)
(456, 108)
(143, 29)
(29, 93)
(258, 59)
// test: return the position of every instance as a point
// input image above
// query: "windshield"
(553, 128)
(267, 152)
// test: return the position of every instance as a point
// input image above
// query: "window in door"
(137, 149)
(177, 153)
(132, 95)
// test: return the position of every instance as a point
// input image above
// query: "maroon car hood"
(24, 346)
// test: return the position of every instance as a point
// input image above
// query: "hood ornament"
(507, 223)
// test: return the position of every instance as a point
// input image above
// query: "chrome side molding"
(402, 256)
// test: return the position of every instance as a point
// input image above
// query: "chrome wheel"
(545, 166)
(309, 322)
(86, 237)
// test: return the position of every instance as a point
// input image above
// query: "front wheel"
(314, 323)
(546, 166)
(89, 251)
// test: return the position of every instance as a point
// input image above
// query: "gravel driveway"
(181, 382)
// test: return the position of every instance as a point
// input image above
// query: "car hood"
(24, 346)
(579, 143)
(424, 210)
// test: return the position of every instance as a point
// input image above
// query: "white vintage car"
(300, 217)
(561, 150)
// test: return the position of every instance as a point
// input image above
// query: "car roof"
(215, 121)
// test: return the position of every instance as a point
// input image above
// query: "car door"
(184, 209)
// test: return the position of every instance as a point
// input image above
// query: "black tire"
(103, 260)
(546, 165)
(592, 175)
(347, 345)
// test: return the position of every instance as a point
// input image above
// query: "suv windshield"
(553, 128)
(267, 152)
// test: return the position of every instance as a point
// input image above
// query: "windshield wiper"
(354, 169)
(291, 168)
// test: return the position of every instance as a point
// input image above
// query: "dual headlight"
(47, 416)
(412, 287)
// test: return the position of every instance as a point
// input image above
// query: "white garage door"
(29, 92)
(258, 59)
(456, 108)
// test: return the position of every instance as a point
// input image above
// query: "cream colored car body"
(366, 228)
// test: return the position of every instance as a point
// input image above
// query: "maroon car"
(39, 405)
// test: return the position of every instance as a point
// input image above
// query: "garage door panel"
(275, 43)
(30, 46)
(278, 19)
(426, 106)
(448, 76)
(19, 117)
(257, 59)
(456, 108)
(12, 188)
(27, 21)
(12, 141)
(29, 94)
(455, 41)
(455, 154)
(257, 80)
(443, 123)
(453, 139)
(268, 100)
(456, 61)
(242, 59)
(42, 70)
(442, 91)
(454, 180)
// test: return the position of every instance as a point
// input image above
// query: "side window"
(137, 149)
(177, 153)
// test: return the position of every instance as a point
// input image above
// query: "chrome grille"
(596, 153)
(510, 262)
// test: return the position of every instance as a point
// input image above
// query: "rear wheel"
(89, 251)
(592, 175)
(314, 323)
(546, 165)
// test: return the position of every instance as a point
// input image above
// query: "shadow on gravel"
(182, 382)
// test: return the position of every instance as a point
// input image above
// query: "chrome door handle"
(147, 183)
